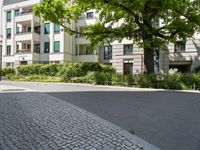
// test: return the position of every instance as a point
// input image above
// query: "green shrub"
(100, 78)
(39, 69)
(117, 79)
(129, 80)
(50, 70)
(8, 71)
(29, 69)
(197, 69)
(67, 73)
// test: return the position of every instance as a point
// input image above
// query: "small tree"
(137, 19)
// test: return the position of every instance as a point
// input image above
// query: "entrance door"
(128, 68)
(24, 63)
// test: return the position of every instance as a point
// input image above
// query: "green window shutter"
(57, 46)
(46, 28)
(56, 28)
(8, 16)
(46, 47)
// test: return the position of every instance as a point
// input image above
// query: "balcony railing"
(24, 12)
(24, 51)
(26, 32)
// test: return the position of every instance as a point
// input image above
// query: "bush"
(117, 79)
(67, 73)
(129, 80)
(29, 69)
(50, 70)
(7, 71)
(39, 69)
(98, 78)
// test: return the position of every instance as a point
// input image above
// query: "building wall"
(72, 47)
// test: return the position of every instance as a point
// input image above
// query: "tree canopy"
(130, 19)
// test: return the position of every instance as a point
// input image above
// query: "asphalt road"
(169, 120)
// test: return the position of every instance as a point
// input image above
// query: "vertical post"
(32, 46)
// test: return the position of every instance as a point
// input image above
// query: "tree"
(180, 20)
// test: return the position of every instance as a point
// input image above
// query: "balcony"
(23, 51)
(87, 58)
(25, 15)
(27, 47)
(82, 40)
(24, 36)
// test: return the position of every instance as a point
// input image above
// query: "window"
(180, 46)
(128, 49)
(8, 64)
(8, 33)
(8, 50)
(57, 46)
(8, 16)
(90, 14)
(107, 52)
(29, 29)
(56, 28)
(17, 30)
(46, 28)
(16, 12)
(46, 47)
(37, 29)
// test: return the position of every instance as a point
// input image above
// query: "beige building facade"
(25, 39)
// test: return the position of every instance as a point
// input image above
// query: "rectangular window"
(17, 30)
(90, 14)
(128, 49)
(29, 29)
(16, 12)
(8, 33)
(57, 46)
(46, 47)
(56, 28)
(8, 16)
(180, 46)
(46, 28)
(107, 52)
(8, 50)
(37, 29)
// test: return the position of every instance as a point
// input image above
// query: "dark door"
(128, 68)
(23, 62)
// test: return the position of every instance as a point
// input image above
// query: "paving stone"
(37, 121)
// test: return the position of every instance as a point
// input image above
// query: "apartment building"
(28, 40)
(1, 36)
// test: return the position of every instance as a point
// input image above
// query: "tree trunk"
(148, 53)
(149, 60)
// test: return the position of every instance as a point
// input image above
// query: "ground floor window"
(107, 52)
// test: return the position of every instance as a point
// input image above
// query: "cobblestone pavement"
(37, 121)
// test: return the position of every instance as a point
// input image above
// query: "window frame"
(108, 56)
(56, 30)
(8, 16)
(45, 29)
(45, 44)
(55, 50)
(8, 34)
(180, 46)
(8, 50)
(90, 14)
(128, 52)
